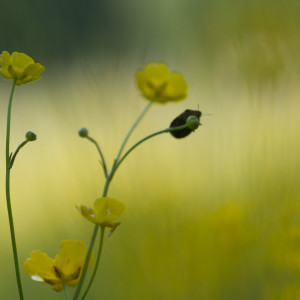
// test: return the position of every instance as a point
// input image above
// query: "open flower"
(65, 268)
(20, 67)
(106, 211)
(157, 84)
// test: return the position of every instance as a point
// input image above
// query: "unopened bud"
(192, 122)
(83, 132)
(30, 136)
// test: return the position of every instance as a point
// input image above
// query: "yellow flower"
(157, 84)
(106, 211)
(65, 268)
(20, 67)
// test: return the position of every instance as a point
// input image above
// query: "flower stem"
(66, 292)
(132, 128)
(87, 259)
(8, 201)
(11, 163)
(145, 139)
(101, 155)
(104, 194)
(97, 261)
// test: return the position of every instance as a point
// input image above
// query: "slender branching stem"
(132, 128)
(16, 153)
(145, 139)
(97, 261)
(104, 194)
(101, 155)
(87, 259)
(8, 201)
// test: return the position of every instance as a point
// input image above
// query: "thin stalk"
(132, 128)
(145, 139)
(97, 261)
(16, 152)
(66, 290)
(100, 153)
(8, 201)
(87, 259)
(105, 191)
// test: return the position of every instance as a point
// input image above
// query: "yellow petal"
(147, 91)
(158, 85)
(5, 61)
(108, 210)
(87, 213)
(156, 74)
(176, 88)
(27, 79)
(34, 69)
(70, 260)
(19, 62)
(40, 264)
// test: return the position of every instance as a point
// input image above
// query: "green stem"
(87, 259)
(16, 152)
(97, 261)
(132, 128)
(100, 153)
(66, 290)
(105, 191)
(8, 201)
(145, 139)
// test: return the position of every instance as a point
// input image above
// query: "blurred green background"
(213, 216)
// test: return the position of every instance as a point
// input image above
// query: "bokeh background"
(213, 216)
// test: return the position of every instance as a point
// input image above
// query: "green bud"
(192, 122)
(188, 117)
(83, 132)
(30, 136)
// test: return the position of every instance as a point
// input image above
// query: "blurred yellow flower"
(157, 84)
(65, 268)
(20, 67)
(106, 211)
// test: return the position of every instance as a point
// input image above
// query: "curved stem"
(100, 153)
(132, 128)
(97, 261)
(87, 259)
(16, 152)
(8, 201)
(145, 139)
(105, 191)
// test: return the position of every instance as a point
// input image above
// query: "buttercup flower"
(106, 211)
(20, 67)
(65, 268)
(157, 84)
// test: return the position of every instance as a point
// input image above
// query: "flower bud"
(30, 136)
(190, 118)
(192, 122)
(83, 132)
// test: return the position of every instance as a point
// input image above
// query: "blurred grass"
(212, 216)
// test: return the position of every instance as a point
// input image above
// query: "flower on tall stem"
(106, 211)
(64, 269)
(157, 84)
(20, 67)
